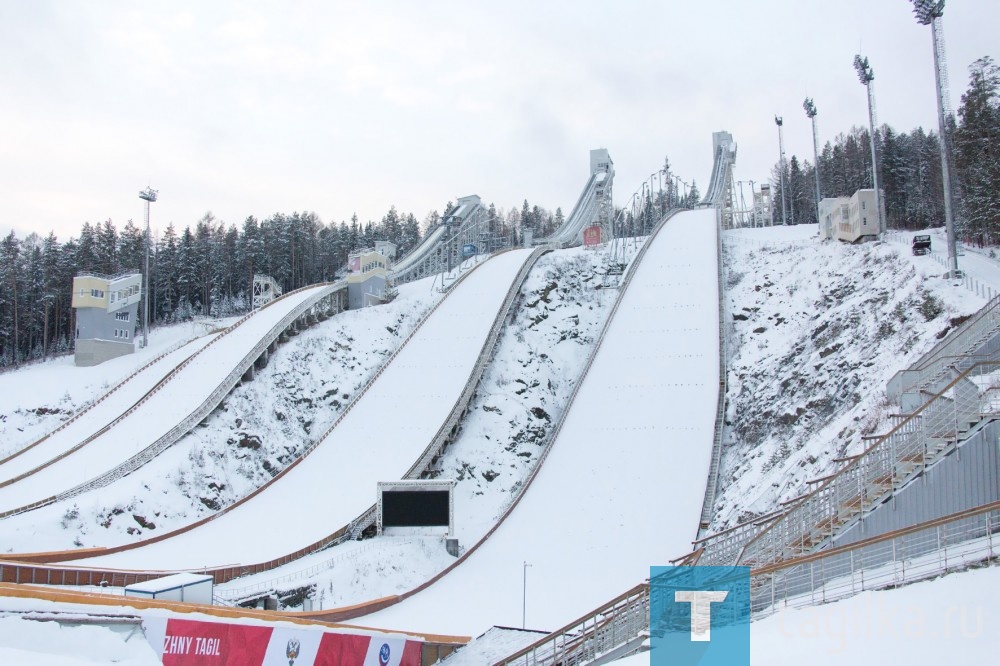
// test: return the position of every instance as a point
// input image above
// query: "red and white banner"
(592, 236)
(196, 643)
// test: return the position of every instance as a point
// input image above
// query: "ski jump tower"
(593, 208)
(720, 188)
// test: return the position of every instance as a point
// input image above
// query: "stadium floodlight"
(929, 12)
(149, 196)
(866, 76)
(779, 121)
(864, 70)
(810, 109)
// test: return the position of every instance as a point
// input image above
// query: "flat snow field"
(378, 440)
(623, 485)
(177, 399)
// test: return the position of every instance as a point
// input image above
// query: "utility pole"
(866, 76)
(781, 165)
(149, 196)
(811, 112)
(524, 595)
(930, 12)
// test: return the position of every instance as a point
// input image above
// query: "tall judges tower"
(106, 309)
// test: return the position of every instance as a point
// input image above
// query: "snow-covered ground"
(837, 321)
(177, 398)
(378, 439)
(623, 483)
(41, 396)
(953, 620)
(542, 350)
(817, 330)
(259, 429)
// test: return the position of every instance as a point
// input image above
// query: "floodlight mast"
(149, 196)
(810, 108)
(866, 76)
(929, 12)
(781, 165)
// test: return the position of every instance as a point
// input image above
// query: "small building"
(106, 315)
(367, 280)
(832, 212)
(849, 219)
(188, 587)
(387, 249)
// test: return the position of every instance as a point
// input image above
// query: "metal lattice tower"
(866, 76)
(265, 290)
(781, 165)
(929, 12)
(149, 196)
(810, 108)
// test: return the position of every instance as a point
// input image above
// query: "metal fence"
(619, 623)
(866, 480)
(924, 551)
(231, 594)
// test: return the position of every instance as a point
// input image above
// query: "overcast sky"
(252, 108)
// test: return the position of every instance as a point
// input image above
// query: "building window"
(863, 205)
(121, 316)
(126, 334)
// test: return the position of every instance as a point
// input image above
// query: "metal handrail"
(933, 365)
(711, 485)
(764, 590)
(109, 277)
(573, 224)
(575, 642)
(143, 398)
(205, 408)
(461, 404)
(879, 471)
(519, 492)
(87, 406)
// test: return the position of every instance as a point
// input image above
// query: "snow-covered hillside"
(259, 429)
(818, 328)
(39, 397)
(561, 307)
(816, 331)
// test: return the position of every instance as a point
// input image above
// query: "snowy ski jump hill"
(153, 409)
(378, 439)
(624, 481)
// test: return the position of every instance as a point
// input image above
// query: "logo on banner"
(383, 654)
(700, 616)
(292, 650)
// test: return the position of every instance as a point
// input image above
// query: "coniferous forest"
(208, 268)
(202, 270)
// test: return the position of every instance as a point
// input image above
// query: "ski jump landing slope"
(174, 401)
(623, 484)
(385, 431)
(99, 415)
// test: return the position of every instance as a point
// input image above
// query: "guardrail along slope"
(623, 480)
(166, 413)
(378, 439)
